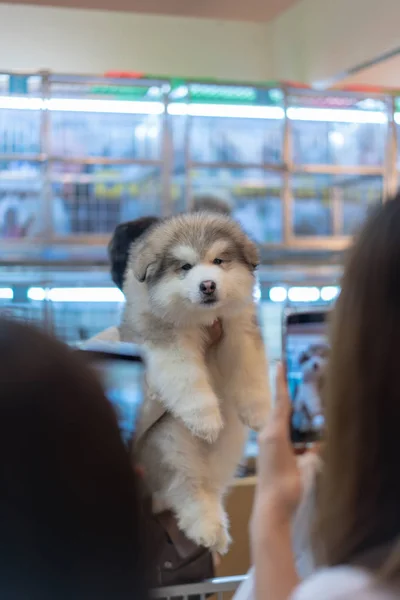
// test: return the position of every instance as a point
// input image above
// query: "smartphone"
(306, 354)
(121, 369)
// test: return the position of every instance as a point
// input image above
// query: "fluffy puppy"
(184, 274)
(308, 395)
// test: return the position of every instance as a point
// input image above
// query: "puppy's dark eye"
(186, 267)
(218, 261)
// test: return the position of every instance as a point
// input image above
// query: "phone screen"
(307, 352)
(123, 380)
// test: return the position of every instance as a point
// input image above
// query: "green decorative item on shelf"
(125, 92)
(215, 91)
(222, 94)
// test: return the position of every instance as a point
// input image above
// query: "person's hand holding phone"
(279, 486)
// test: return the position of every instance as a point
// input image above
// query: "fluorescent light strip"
(304, 294)
(75, 294)
(105, 106)
(278, 294)
(85, 295)
(226, 110)
(6, 293)
(37, 294)
(196, 110)
(333, 115)
(82, 105)
(21, 103)
(329, 293)
(108, 294)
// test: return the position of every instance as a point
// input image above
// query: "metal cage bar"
(218, 586)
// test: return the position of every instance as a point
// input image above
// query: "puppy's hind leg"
(185, 487)
(200, 513)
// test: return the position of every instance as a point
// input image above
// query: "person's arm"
(275, 572)
(279, 491)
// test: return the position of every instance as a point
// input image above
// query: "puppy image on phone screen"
(184, 274)
(307, 400)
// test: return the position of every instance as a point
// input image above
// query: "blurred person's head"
(118, 249)
(70, 512)
(360, 487)
(212, 202)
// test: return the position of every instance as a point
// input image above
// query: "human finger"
(315, 449)
(215, 332)
(282, 407)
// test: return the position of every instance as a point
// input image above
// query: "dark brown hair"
(359, 495)
(70, 512)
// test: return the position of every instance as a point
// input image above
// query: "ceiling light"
(76, 294)
(6, 293)
(334, 115)
(278, 294)
(329, 293)
(304, 294)
(105, 106)
(226, 110)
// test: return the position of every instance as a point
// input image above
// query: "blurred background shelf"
(78, 155)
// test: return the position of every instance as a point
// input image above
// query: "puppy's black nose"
(208, 287)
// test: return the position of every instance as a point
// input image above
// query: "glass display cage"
(78, 155)
(302, 169)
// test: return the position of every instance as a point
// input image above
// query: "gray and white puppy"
(184, 274)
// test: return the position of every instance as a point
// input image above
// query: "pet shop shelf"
(80, 154)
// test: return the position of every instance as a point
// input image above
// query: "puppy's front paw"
(205, 421)
(254, 413)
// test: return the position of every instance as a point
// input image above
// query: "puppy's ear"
(303, 357)
(250, 252)
(144, 259)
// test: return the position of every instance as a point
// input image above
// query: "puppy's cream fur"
(308, 401)
(207, 397)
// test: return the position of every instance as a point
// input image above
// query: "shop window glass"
(232, 140)
(113, 136)
(20, 132)
(254, 194)
(20, 118)
(326, 205)
(93, 199)
(360, 195)
(21, 213)
(344, 144)
(312, 206)
(342, 130)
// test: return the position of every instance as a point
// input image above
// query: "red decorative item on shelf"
(124, 75)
